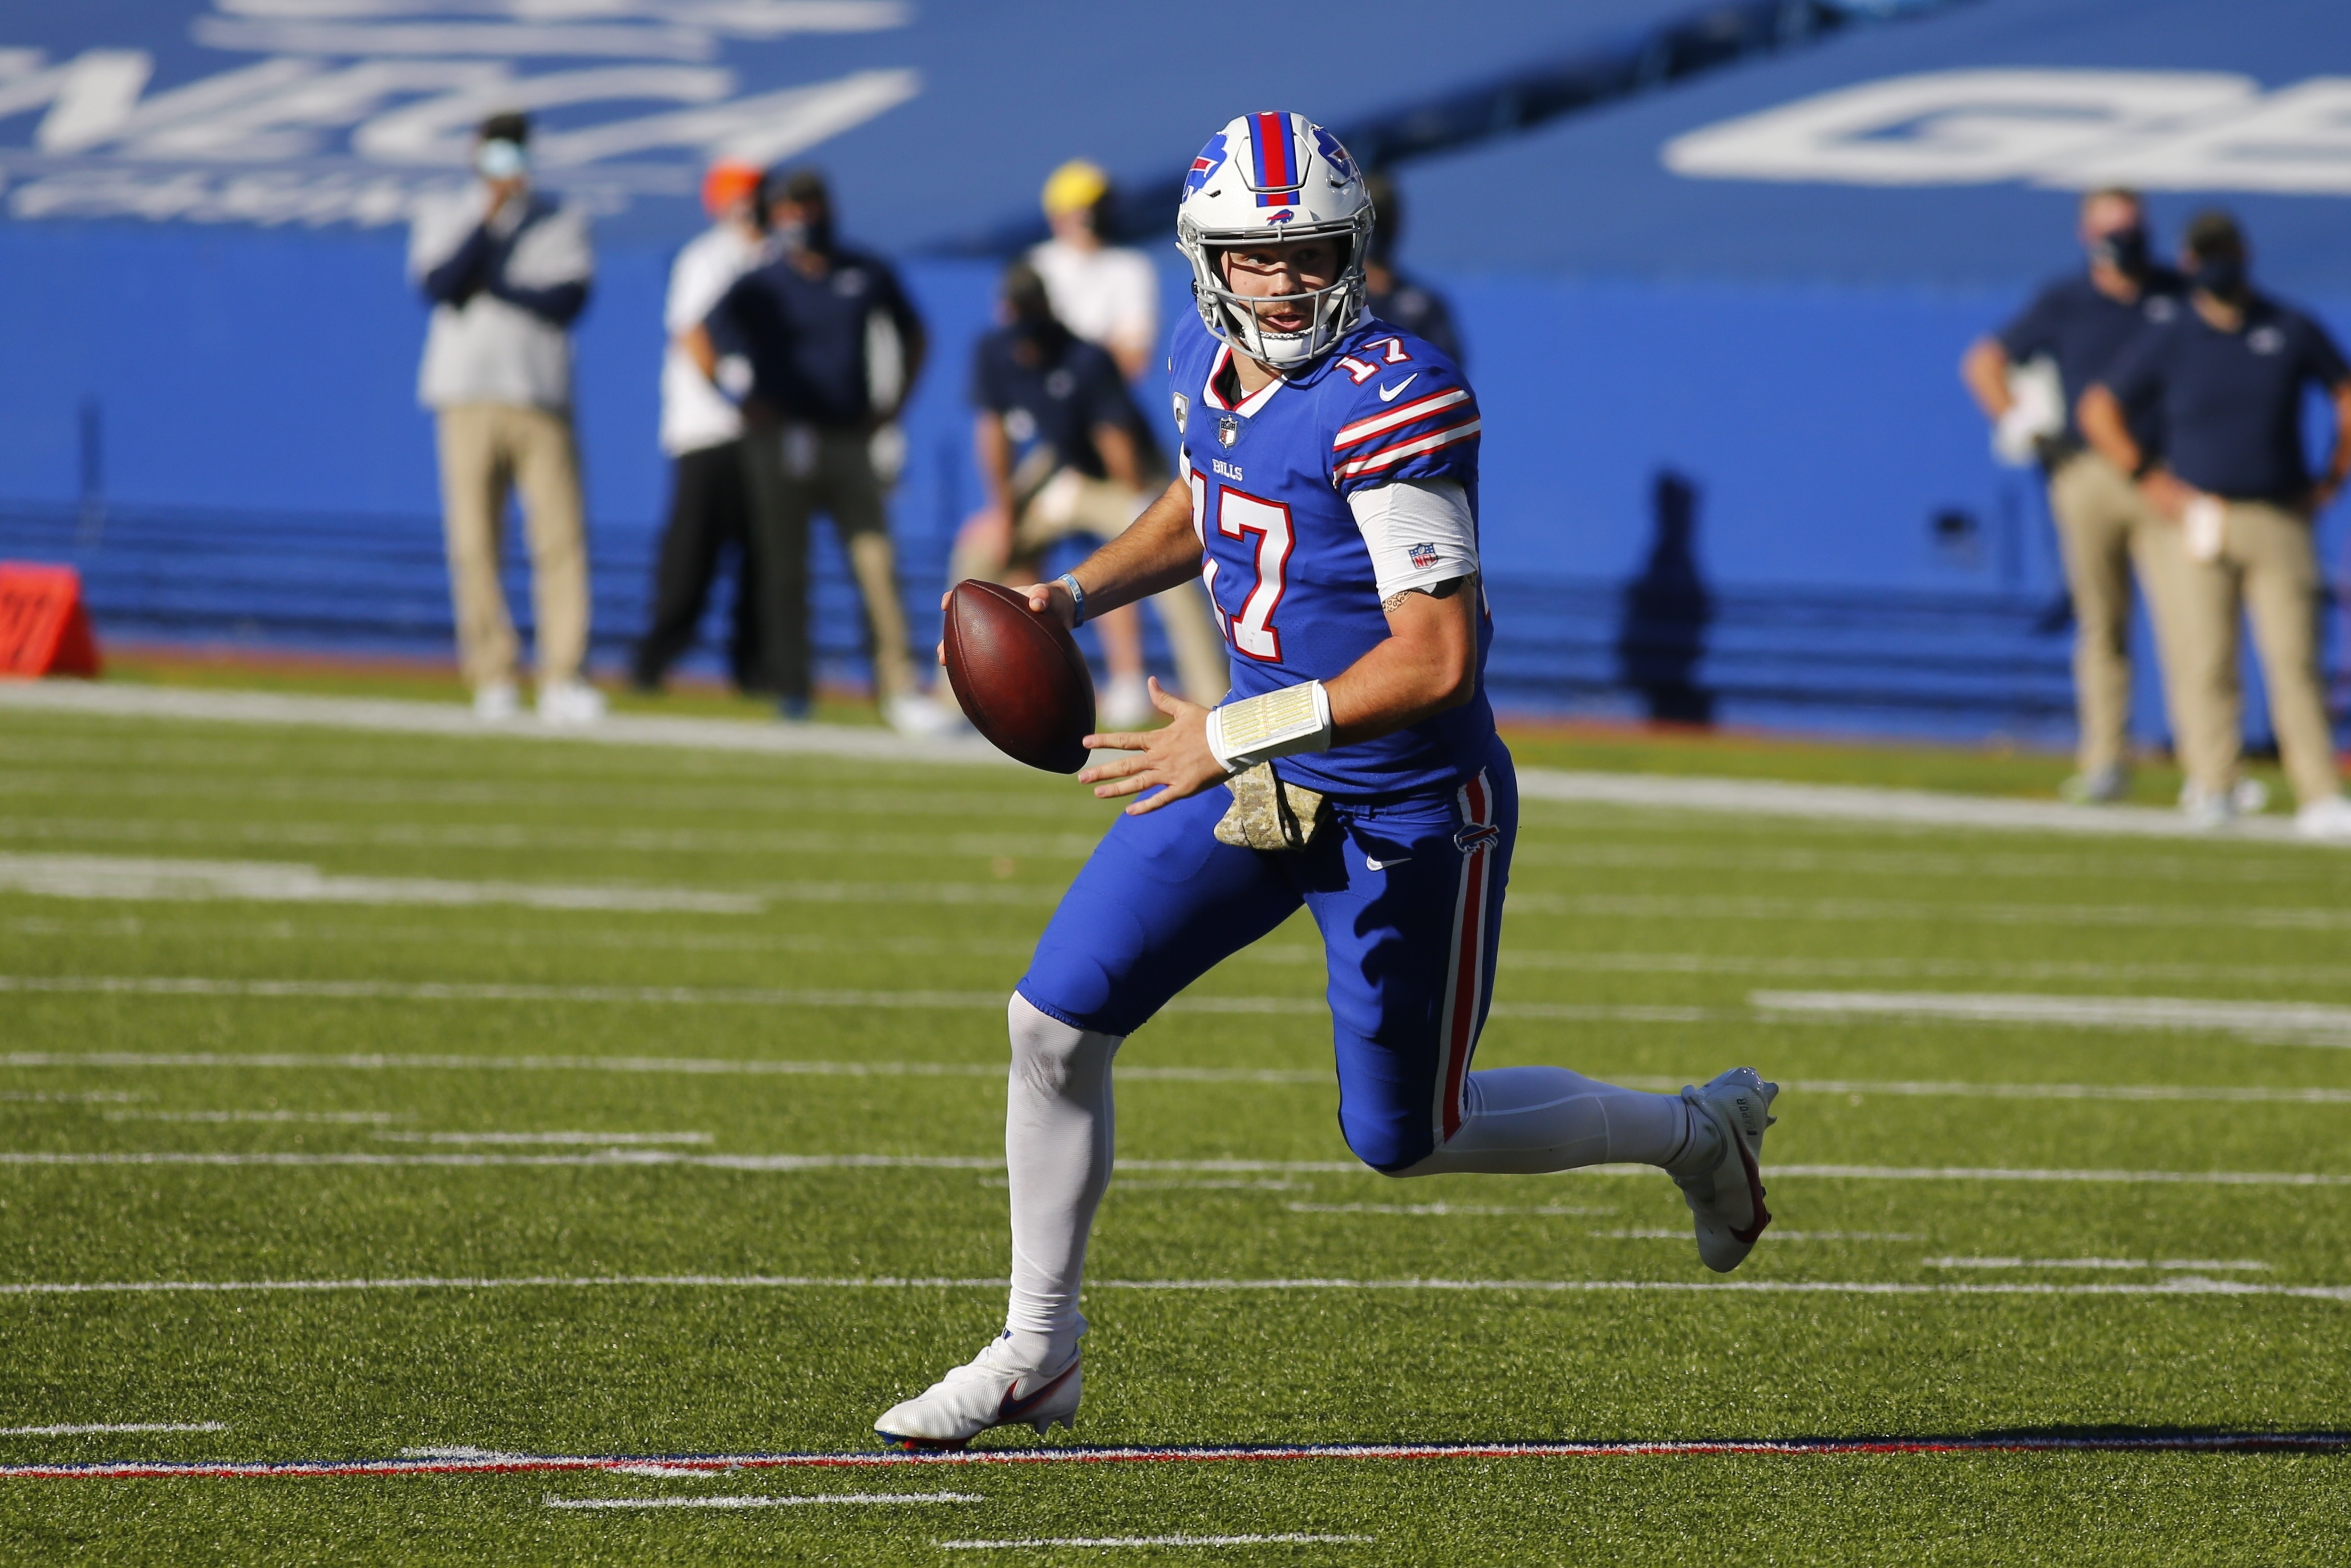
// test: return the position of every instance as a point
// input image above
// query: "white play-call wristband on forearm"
(1280, 724)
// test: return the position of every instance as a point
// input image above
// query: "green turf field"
(549, 1012)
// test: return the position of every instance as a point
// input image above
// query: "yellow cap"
(1074, 187)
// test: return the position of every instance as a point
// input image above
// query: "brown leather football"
(1019, 676)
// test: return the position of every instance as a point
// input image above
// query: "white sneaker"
(2204, 809)
(2327, 819)
(989, 1390)
(913, 713)
(569, 702)
(496, 702)
(1726, 1193)
(2102, 787)
(1128, 704)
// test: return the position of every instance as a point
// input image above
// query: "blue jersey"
(1291, 574)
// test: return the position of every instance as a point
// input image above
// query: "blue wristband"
(1077, 596)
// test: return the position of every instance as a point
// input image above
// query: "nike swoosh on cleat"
(1390, 393)
(1013, 1410)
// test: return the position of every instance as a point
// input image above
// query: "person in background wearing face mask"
(507, 269)
(833, 345)
(2229, 475)
(1388, 294)
(702, 432)
(2082, 322)
(1054, 435)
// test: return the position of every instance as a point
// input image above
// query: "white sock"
(1056, 1152)
(1522, 1120)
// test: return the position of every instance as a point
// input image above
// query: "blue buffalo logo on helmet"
(1343, 167)
(1211, 159)
(1282, 217)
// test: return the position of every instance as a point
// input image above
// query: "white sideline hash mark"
(286, 881)
(2176, 1285)
(1032, 1543)
(872, 1497)
(2303, 1023)
(76, 1431)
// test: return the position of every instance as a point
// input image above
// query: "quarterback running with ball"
(1327, 495)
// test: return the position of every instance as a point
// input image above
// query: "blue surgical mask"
(501, 160)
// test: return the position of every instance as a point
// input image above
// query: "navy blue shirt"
(805, 337)
(1052, 390)
(2085, 330)
(2230, 403)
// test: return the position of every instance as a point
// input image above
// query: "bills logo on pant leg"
(1470, 958)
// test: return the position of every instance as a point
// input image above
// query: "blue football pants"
(1407, 894)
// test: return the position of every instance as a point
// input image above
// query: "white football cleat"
(1726, 1195)
(989, 1390)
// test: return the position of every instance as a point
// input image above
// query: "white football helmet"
(1275, 176)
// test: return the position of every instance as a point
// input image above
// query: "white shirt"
(694, 413)
(1109, 296)
(489, 351)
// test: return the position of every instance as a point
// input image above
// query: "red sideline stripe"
(538, 1464)
(1468, 962)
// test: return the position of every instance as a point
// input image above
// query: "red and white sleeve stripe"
(1389, 456)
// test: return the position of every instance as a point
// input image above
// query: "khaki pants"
(2105, 529)
(2269, 567)
(1071, 504)
(485, 449)
(792, 473)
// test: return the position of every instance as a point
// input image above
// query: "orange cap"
(726, 184)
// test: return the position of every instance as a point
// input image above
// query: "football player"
(1328, 497)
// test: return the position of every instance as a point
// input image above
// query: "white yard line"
(819, 1499)
(1642, 791)
(687, 1066)
(2194, 1265)
(1037, 1543)
(2297, 1023)
(993, 1001)
(1645, 1233)
(533, 836)
(1856, 803)
(282, 882)
(1764, 911)
(547, 1138)
(2176, 1285)
(101, 1426)
(398, 717)
(329, 1118)
(1441, 1208)
(622, 1158)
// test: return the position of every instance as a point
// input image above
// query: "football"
(1019, 676)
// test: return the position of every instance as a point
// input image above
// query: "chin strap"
(1280, 724)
